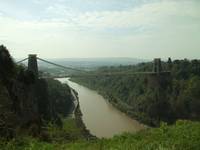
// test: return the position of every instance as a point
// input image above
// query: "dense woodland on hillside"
(28, 104)
(151, 98)
(33, 111)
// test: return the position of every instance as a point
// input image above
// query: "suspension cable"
(22, 60)
(68, 68)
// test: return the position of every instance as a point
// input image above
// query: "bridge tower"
(157, 67)
(32, 64)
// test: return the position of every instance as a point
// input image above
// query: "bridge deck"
(83, 73)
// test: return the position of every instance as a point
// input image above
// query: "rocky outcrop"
(26, 102)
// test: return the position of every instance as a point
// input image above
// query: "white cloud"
(147, 14)
(166, 25)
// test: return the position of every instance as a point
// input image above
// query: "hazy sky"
(101, 28)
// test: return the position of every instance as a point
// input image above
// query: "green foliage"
(25, 76)
(68, 133)
(60, 97)
(27, 104)
(188, 100)
(7, 66)
(151, 98)
(133, 95)
(37, 106)
(184, 135)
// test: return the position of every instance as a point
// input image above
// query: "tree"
(7, 69)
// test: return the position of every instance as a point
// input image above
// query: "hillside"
(35, 113)
(184, 135)
(150, 98)
(28, 104)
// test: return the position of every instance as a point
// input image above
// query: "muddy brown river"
(99, 116)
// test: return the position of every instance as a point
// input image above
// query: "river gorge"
(99, 116)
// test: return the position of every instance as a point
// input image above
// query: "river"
(99, 116)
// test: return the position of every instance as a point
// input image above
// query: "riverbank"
(126, 109)
(119, 105)
(184, 135)
(78, 117)
(80, 124)
(100, 117)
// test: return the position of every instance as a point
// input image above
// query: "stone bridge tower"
(159, 79)
(157, 67)
(32, 64)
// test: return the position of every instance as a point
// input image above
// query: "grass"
(68, 133)
(184, 135)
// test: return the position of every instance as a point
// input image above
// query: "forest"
(28, 104)
(150, 98)
(35, 112)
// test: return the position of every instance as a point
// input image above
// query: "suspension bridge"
(33, 67)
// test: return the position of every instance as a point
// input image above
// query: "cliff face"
(20, 106)
(28, 103)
